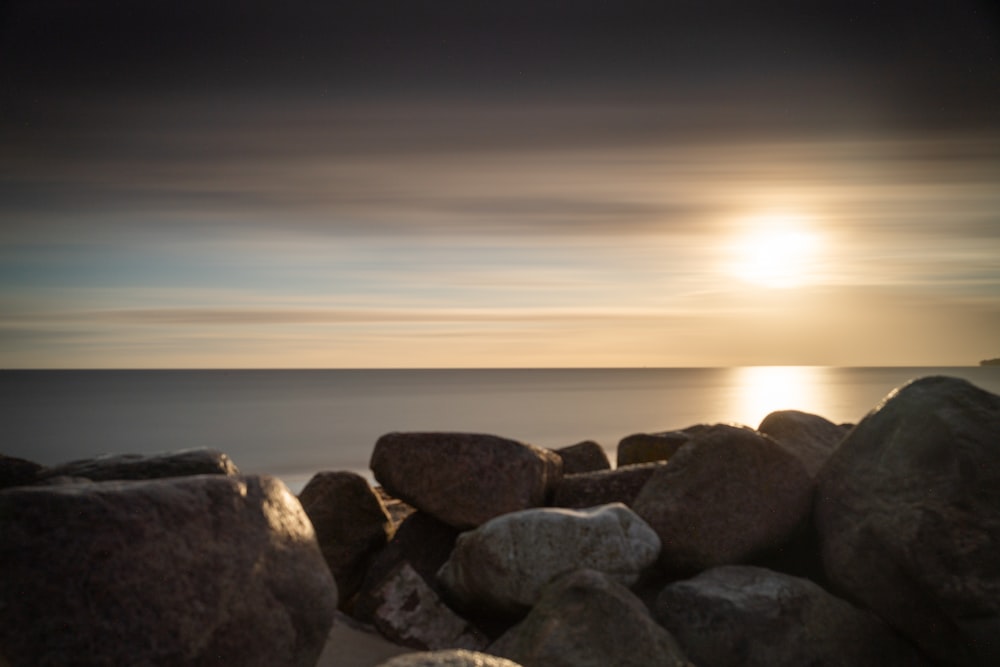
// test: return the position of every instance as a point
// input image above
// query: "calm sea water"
(294, 423)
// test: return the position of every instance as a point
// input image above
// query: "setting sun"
(776, 251)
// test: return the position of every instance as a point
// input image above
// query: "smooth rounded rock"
(908, 514)
(464, 479)
(201, 570)
(505, 563)
(810, 438)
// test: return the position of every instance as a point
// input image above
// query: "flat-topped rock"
(586, 456)
(182, 463)
(464, 479)
(202, 570)
(621, 485)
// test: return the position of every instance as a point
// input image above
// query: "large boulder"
(586, 456)
(202, 570)
(448, 658)
(730, 493)
(752, 617)
(407, 611)
(182, 463)
(908, 513)
(809, 437)
(601, 487)
(587, 619)
(652, 447)
(351, 525)
(505, 563)
(464, 479)
(17, 472)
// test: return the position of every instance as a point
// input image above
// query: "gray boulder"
(752, 617)
(587, 619)
(601, 487)
(182, 463)
(908, 514)
(202, 570)
(407, 611)
(464, 479)
(351, 525)
(730, 493)
(586, 456)
(450, 658)
(809, 437)
(505, 563)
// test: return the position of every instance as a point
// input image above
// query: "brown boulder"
(202, 570)
(652, 447)
(589, 489)
(586, 456)
(726, 495)
(908, 513)
(351, 525)
(464, 479)
(809, 437)
(182, 463)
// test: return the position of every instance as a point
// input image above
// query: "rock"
(183, 463)
(587, 619)
(351, 525)
(464, 479)
(650, 447)
(726, 495)
(620, 485)
(809, 437)
(751, 617)
(17, 472)
(586, 456)
(908, 513)
(408, 612)
(421, 541)
(505, 563)
(451, 658)
(199, 570)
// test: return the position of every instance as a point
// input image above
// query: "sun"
(778, 251)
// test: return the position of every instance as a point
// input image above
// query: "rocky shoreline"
(798, 542)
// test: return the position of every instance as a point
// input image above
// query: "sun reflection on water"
(761, 390)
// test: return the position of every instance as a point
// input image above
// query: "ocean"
(293, 423)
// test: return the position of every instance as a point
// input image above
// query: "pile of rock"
(801, 542)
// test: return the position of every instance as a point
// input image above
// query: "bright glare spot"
(777, 251)
(762, 390)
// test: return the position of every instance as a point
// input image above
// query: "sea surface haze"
(293, 423)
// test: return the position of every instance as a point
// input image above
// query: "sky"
(498, 184)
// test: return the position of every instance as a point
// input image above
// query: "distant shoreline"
(990, 362)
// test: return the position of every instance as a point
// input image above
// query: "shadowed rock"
(908, 513)
(586, 619)
(505, 563)
(809, 437)
(751, 617)
(17, 472)
(351, 525)
(586, 456)
(183, 463)
(652, 447)
(590, 489)
(464, 479)
(200, 570)
(726, 495)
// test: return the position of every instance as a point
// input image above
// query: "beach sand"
(349, 646)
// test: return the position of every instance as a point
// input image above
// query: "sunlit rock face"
(908, 513)
(464, 479)
(184, 571)
(505, 563)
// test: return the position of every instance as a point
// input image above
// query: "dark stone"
(809, 437)
(587, 619)
(464, 479)
(586, 456)
(448, 658)
(620, 485)
(183, 463)
(908, 513)
(650, 447)
(17, 472)
(724, 497)
(202, 570)
(351, 525)
(740, 616)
